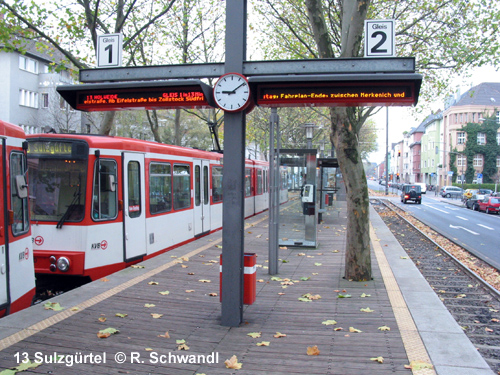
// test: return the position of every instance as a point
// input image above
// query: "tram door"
(134, 205)
(201, 197)
(3, 229)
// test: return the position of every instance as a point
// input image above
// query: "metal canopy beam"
(251, 68)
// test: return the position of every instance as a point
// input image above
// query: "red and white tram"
(99, 204)
(17, 278)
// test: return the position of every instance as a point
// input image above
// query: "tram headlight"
(63, 264)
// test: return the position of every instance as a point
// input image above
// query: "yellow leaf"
(313, 350)
(204, 281)
(419, 365)
(148, 349)
(166, 335)
(263, 343)
(384, 328)
(156, 316)
(164, 293)
(148, 305)
(102, 319)
(184, 266)
(185, 259)
(120, 315)
(329, 322)
(232, 363)
(279, 335)
(136, 266)
(213, 294)
(365, 295)
(189, 290)
(182, 347)
(354, 330)
(366, 310)
(254, 335)
(378, 359)
(104, 280)
(153, 283)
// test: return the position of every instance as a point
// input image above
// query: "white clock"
(232, 92)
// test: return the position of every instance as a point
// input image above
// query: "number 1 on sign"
(109, 49)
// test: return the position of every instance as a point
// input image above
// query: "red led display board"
(337, 90)
(142, 95)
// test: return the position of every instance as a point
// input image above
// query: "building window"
(28, 98)
(481, 138)
(478, 160)
(45, 100)
(498, 138)
(461, 161)
(30, 65)
(460, 138)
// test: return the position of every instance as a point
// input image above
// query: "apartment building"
(28, 92)
(431, 145)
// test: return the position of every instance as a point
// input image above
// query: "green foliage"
(490, 150)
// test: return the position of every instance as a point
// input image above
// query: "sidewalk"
(297, 311)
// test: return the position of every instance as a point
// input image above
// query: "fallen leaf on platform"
(384, 328)
(104, 333)
(185, 259)
(301, 254)
(329, 322)
(182, 347)
(335, 251)
(283, 248)
(263, 343)
(22, 367)
(488, 329)
(418, 365)
(279, 335)
(148, 305)
(104, 280)
(365, 295)
(260, 280)
(120, 315)
(304, 278)
(285, 261)
(156, 316)
(148, 349)
(153, 283)
(313, 350)
(378, 359)
(403, 257)
(212, 294)
(254, 335)
(184, 266)
(233, 363)
(136, 266)
(166, 335)
(164, 293)
(102, 319)
(354, 330)
(366, 310)
(461, 296)
(204, 281)
(281, 294)
(53, 306)
(191, 273)
(344, 296)
(218, 246)
(189, 290)
(276, 278)
(338, 329)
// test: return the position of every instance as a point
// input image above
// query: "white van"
(423, 187)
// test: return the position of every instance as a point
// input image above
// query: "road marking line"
(437, 209)
(484, 226)
(463, 218)
(468, 230)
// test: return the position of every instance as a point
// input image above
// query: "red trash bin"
(249, 278)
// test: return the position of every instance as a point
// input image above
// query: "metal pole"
(387, 151)
(233, 179)
(273, 194)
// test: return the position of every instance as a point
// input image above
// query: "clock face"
(232, 92)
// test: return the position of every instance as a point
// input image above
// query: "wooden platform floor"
(190, 313)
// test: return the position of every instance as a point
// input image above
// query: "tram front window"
(57, 189)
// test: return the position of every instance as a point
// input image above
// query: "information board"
(144, 95)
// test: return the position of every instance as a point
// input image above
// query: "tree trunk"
(107, 123)
(357, 257)
(344, 135)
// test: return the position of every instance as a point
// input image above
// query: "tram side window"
(182, 187)
(105, 192)
(259, 181)
(248, 182)
(134, 189)
(19, 205)
(217, 184)
(160, 188)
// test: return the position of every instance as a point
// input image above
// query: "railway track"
(461, 281)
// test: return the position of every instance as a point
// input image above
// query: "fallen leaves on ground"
(313, 350)
(22, 367)
(329, 322)
(53, 306)
(366, 310)
(166, 335)
(233, 363)
(384, 328)
(354, 330)
(378, 359)
(254, 335)
(164, 293)
(153, 283)
(136, 266)
(263, 343)
(105, 333)
(121, 315)
(156, 316)
(418, 365)
(279, 335)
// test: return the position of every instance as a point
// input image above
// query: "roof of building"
(486, 93)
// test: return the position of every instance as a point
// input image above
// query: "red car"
(490, 204)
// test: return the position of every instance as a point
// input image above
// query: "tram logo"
(103, 245)
(38, 240)
(24, 255)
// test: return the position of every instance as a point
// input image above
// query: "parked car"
(469, 193)
(485, 191)
(451, 191)
(423, 187)
(490, 204)
(473, 202)
(411, 192)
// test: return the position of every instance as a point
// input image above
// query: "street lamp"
(309, 133)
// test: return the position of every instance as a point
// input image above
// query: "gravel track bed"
(473, 306)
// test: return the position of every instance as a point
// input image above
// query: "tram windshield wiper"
(70, 209)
